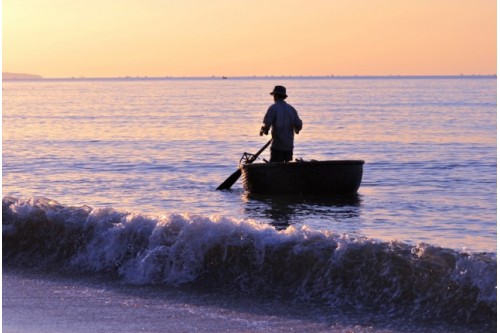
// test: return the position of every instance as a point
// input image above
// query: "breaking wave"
(423, 281)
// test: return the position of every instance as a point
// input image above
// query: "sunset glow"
(93, 38)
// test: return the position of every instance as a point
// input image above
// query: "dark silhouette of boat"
(317, 178)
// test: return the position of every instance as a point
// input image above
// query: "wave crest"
(424, 281)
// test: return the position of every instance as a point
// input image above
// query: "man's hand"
(264, 130)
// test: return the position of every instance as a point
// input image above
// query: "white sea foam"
(246, 256)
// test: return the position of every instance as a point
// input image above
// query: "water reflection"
(283, 211)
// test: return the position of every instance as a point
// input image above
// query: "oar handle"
(254, 157)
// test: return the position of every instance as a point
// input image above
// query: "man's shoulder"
(278, 105)
(273, 106)
(290, 106)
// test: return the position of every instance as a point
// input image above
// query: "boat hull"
(317, 178)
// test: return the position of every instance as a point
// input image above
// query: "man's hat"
(279, 91)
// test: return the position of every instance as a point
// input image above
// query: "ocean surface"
(109, 203)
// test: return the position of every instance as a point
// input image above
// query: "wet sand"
(43, 303)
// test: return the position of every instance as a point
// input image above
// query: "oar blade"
(226, 185)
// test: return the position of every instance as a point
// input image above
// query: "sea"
(111, 220)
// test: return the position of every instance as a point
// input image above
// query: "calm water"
(131, 167)
(163, 146)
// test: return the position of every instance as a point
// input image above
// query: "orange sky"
(104, 38)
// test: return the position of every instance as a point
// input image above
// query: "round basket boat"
(317, 178)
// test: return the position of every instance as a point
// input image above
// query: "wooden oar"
(234, 177)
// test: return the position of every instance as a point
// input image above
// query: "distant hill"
(19, 76)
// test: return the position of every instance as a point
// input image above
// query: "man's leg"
(281, 156)
(288, 155)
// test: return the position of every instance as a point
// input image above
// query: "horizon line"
(33, 77)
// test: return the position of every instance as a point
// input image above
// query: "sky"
(112, 38)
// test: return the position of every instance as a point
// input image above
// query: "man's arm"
(268, 121)
(297, 123)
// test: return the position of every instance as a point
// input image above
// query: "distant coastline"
(6, 76)
(20, 76)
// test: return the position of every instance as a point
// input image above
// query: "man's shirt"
(283, 118)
